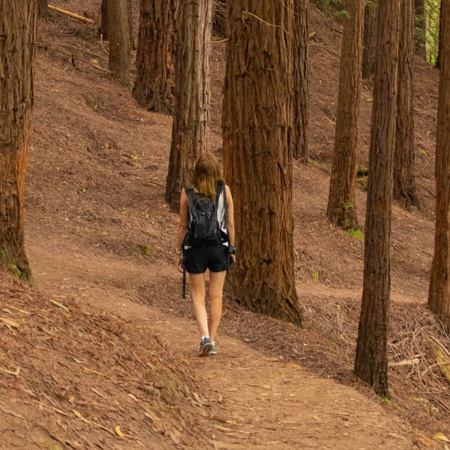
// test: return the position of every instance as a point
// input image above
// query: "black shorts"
(214, 257)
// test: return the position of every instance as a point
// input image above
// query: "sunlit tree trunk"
(439, 296)
(370, 39)
(17, 48)
(190, 123)
(154, 88)
(301, 90)
(405, 191)
(341, 200)
(119, 40)
(371, 351)
(258, 154)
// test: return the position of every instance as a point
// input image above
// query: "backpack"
(203, 225)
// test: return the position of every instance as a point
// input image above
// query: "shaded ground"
(105, 340)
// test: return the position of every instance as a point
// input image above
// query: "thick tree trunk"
(154, 88)
(371, 352)
(439, 294)
(370, 39)
(258, 154)
(341, 200)
(190, 123)
(119, 40)
(17, 44)
(420, 39)
(405, 191)
(301, 90)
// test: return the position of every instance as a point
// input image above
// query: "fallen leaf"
(16, 372)
(440, 437)
(91, 370)
(294, 366)
(119, 431)
(60, 305)
(9, 322)
(175, 436)
(71, 399)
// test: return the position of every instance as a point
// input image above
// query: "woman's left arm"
(183, 225)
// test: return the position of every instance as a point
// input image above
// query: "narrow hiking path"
(246, 399)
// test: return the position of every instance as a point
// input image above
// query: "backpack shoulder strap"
(223, 188)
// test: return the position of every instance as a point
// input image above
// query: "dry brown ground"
(105, 341)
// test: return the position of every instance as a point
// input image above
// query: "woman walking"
(206, 242)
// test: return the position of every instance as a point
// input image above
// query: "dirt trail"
(254, 401)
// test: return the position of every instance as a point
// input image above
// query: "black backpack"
(203, 228)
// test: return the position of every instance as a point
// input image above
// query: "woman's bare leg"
(198, 298)
(216, 282)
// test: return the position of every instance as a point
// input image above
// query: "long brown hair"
(207, 174)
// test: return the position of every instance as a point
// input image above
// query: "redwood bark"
(301, 89)
(258, 154)
(405, 191)
(371, 351)
(154, 88)
(17, 48)
(190, 123)
(370, 39)
(342, 196)
(119, 40)
(439, 296)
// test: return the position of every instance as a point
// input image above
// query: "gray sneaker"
(205, 347)
(213, 351)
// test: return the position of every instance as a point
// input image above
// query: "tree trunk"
(301, 90)
(371, 352)
(119, 40)
(17, 45)
(341, 201)
(154, 88)
(370, 39)
(42, 8)
(420, 27)
(258, 154)
(404, 179)
(190, 123)
(438, 297)
(103, 30)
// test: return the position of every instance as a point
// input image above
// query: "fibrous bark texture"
(190, 123)
(341, 200)
(371, 352)
(154, 88)
(17, 48)
(258, 154)
(439, 295)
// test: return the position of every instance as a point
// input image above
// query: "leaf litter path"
(246, 400)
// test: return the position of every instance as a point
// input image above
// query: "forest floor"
(101, 353)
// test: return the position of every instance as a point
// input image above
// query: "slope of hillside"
(104, 340)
